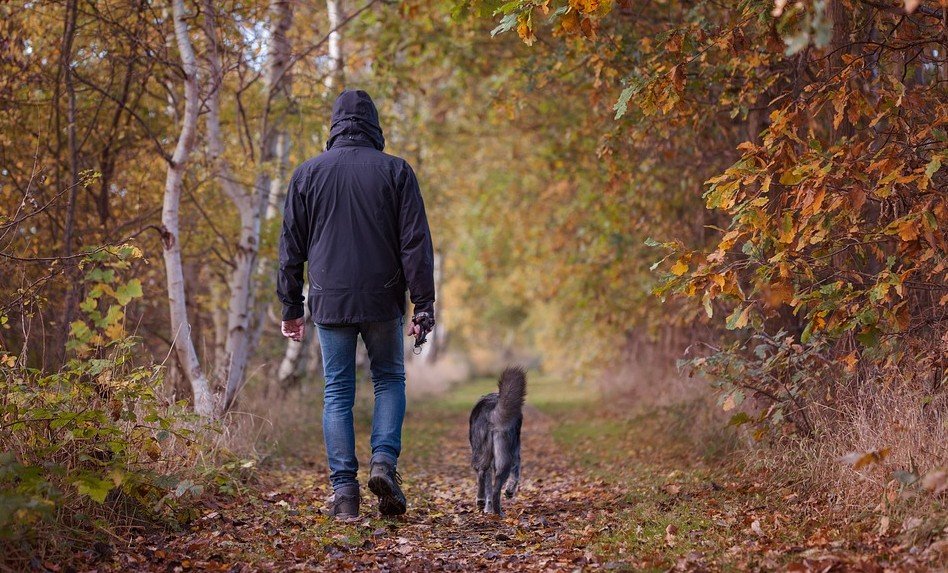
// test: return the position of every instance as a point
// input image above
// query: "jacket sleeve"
(294, 244)
(415, 238)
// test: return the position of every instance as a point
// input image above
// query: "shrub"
(93, 449)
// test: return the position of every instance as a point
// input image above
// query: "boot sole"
(389, 501)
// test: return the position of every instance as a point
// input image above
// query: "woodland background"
(738, 202)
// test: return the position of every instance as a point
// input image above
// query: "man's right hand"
(294, 329)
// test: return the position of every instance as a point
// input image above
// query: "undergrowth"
(92, 454)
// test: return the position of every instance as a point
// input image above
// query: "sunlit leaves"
(125, 293)
(106, 298)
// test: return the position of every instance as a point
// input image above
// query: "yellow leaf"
(790, 177)
(526, 33)
(849, 361)
(570, 22)
(839, 104)
(779, 293)
(115, 331)
(679, 268)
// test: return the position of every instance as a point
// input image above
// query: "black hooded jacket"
(356, 216)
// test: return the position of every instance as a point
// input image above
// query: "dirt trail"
(660, 506)
(544, 527)
(285, 528)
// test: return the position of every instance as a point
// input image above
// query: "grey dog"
(495, 439)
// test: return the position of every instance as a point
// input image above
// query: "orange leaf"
(908, 230)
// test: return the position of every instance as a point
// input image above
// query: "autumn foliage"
(814, 135)
(750, 192)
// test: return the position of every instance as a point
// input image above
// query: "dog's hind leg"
(514, 482)
(502, 466)
(483, 487)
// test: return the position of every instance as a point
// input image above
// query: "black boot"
(344, 504)
(384, 482)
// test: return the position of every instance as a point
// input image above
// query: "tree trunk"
(219, 313)
(69, 35)
(180, 327)
(251, 205)
(337, 63)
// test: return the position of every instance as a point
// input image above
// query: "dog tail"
(513, 390)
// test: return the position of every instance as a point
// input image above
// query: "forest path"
(602, 489)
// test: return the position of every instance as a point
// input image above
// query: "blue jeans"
(385, 344)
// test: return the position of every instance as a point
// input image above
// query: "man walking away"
(355, 216)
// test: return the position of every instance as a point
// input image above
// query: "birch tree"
(252, 202)
(180, 326)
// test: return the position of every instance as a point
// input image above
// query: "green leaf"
(868, 337)
(933, 166)
(80, 332)
(738, 318)
(130, 290)
(635, 86)
(98, 275)
(556, 13)
(94, 487)
(739, 419)
(807, 332)
(507, 23)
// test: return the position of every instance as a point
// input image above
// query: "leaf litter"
(646, 508)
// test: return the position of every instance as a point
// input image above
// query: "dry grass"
(425, 378)
(905, 425)
(896, 415)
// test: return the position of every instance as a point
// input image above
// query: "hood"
(355, 118)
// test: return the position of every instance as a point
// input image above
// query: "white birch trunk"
(253, 203)
(337, 63)
(180, 326)
(219, 314)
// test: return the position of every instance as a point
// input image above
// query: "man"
(356, 217)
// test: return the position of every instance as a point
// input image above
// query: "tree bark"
(251, 204)
(336, 14)
(69, 35)
(180, 326)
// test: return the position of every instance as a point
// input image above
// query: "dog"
(495, 440)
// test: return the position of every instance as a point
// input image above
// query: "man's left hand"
(421, 324)
(294, 329)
